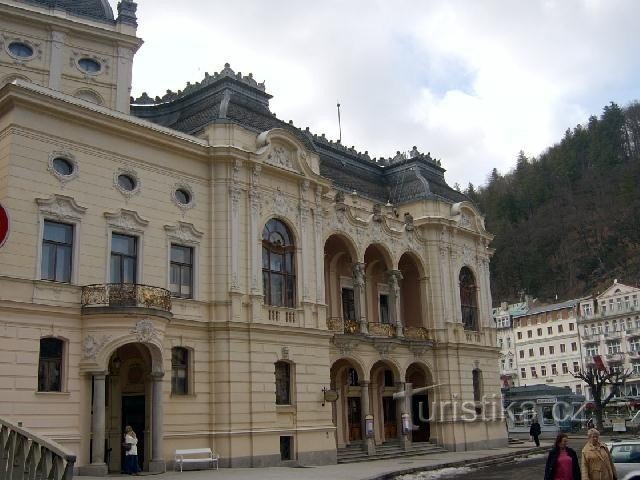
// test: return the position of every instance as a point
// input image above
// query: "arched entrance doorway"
(384, 378)
(347, 380)
(128, 402)
(419, 378)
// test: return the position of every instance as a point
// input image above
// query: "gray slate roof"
(229, 97)
(94, 9)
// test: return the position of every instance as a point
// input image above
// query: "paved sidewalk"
(353, 471)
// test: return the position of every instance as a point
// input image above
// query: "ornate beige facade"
(371, 298)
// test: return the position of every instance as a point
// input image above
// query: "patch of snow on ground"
(530, 457)
(436, 474)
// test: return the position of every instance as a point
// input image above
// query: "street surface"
(531, 469)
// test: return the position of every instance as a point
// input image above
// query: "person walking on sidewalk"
(535, 431)
(596, 462)
(562, 463)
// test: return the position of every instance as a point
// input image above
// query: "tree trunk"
(599, 417)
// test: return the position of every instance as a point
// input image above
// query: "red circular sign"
(4, 225)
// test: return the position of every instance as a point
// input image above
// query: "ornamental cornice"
(126, 220)
(184, 232)
(61, 207)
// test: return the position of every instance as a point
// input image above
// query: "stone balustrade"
(26, 456)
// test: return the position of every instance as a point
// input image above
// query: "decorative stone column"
(395, 316)
(366, 411)
(157, 463)
(98, 467)
(359, 295)
(405, 390)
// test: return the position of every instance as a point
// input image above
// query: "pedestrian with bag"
(562, 462)
(535, 431)
(131, 466)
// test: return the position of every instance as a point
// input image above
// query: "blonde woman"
(131, 466)
(596, 461)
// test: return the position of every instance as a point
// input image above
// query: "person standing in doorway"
(131, 466)
(535, 431)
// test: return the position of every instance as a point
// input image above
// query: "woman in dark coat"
(562, 463)
(535, 431)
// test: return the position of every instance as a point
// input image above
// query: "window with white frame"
(523, 372)
(565, 368)
(576, 367)
(636, 368)
(181, 271)
(543, 371)
(574, 346)
(592, 350)
(57, 252)
(627, 302)
(586, 310)
(619, 304)
(634, 344)
(613, 347)
(521, 353)
(511, 363)
(533, 372)
(563, 348)
(508, 342)
(554, 369)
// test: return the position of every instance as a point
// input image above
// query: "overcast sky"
(472, 82)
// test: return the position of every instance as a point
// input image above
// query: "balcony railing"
(416, 333)
(382, 330)
(23, 455)
(126, 295)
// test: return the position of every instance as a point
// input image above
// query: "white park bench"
(196, 455)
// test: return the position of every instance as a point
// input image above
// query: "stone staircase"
(356, 452)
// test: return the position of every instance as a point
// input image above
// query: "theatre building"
(193, 266)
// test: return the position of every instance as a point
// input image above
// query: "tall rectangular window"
(384, 309)
(50, 365)
(565, 368)
(283, 383)
(181, 271)
(179, 371)
(57, 251)
(348, 304)
(523, 372)
(124, 258)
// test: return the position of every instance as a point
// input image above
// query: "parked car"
(626, 458)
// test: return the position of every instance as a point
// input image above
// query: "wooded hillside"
(568, 223)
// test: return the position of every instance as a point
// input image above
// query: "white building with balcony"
(502, 318)
(547, 346)
(610, 327)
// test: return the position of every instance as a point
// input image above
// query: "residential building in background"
(502, 317)
(547, 345)
(610, 328)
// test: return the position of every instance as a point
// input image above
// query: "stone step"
(357, 453)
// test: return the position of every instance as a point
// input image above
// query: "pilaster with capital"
(235, 192)
(319, 261)
(57, 51)
(255, 205)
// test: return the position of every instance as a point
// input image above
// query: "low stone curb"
(480, 461)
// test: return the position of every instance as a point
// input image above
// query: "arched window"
(179, 371)
(50, 365)
(468, 299)
(278, 265)
(283, 383)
